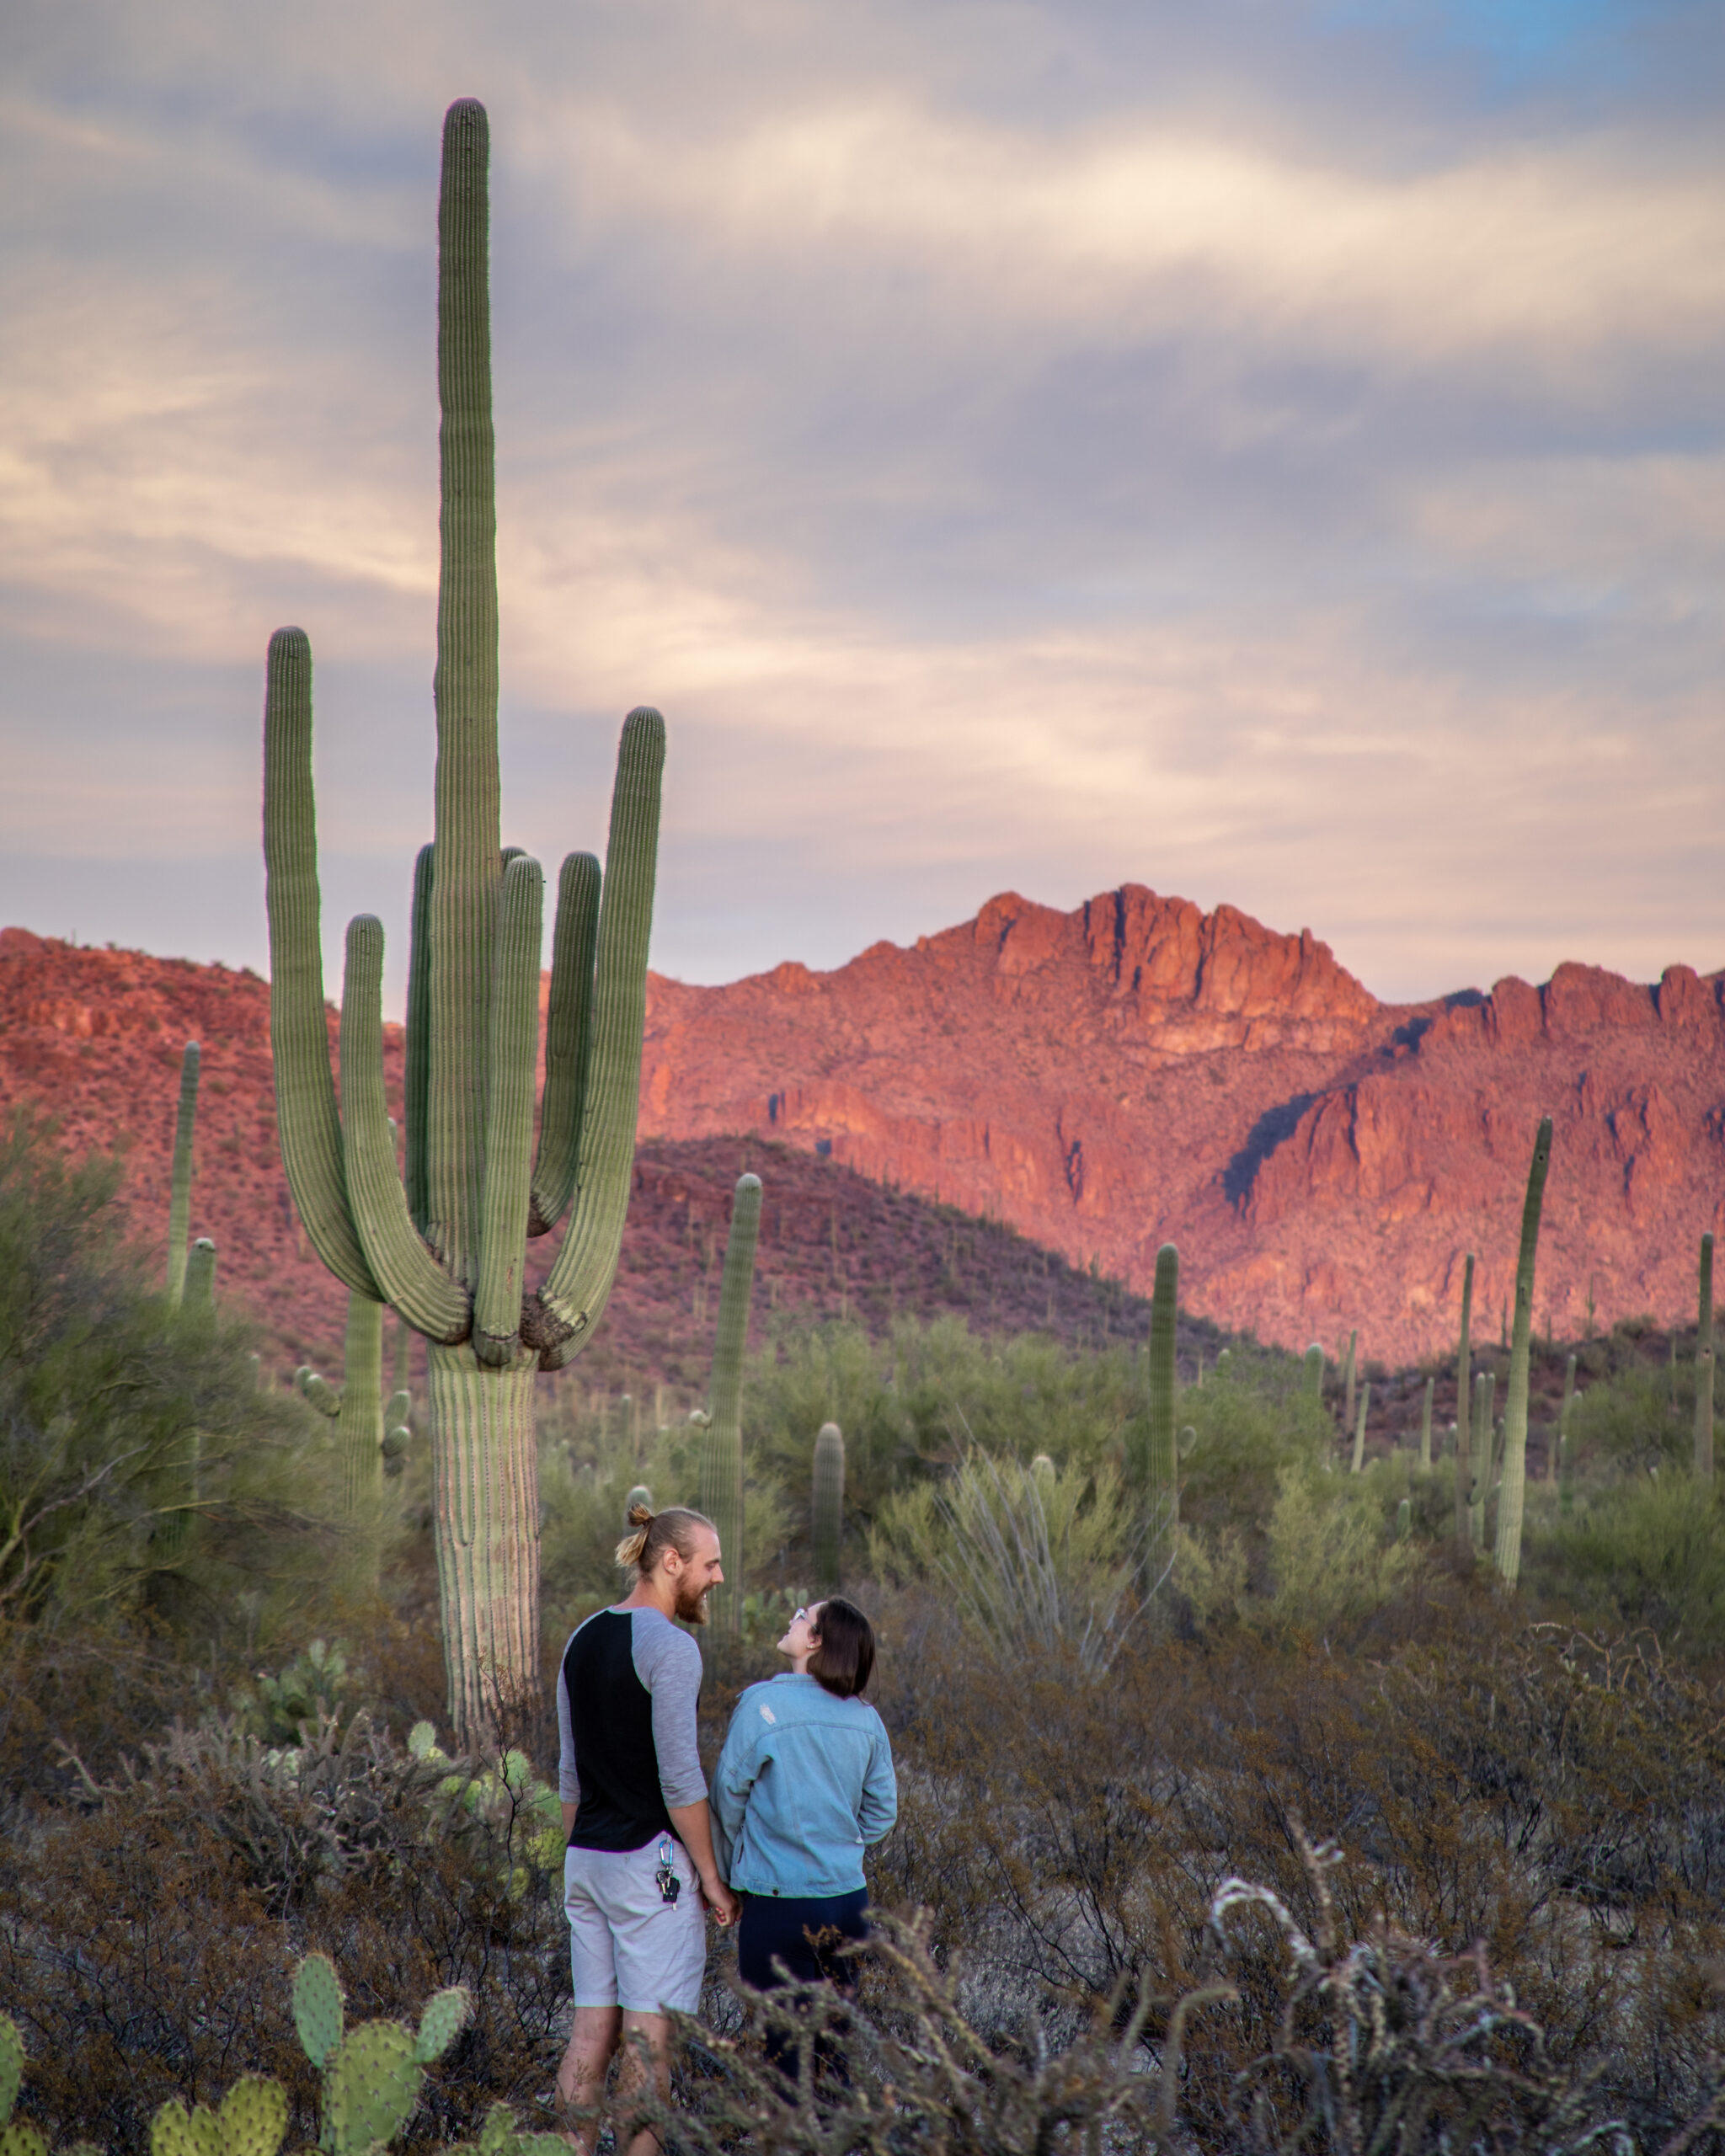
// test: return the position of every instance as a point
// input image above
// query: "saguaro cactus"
(1161, 1463)
(179, 1189)
(1360, 1428)
(1704, 1366)
(1349, 1378)
(722, 1445)
(1513, 1494)
(827, 1509)
(1312, 1380)
(1464, 1448)
(201, 1275)
(447, 1249)
(1425, 1424)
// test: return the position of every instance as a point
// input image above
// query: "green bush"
(1645, 1550)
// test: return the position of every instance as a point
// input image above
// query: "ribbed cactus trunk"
(1359, 1460)
(1161, 1465)
(1464, 1446)
(1312, 1380)
(1349, 1378)
(1704, 1366)
(1480, 1481)
(1512, 1497)
(722, 1447)
(827, 1508)
(444, 1241)
(359, 1425)
(201, 1275)
(1425, 1422)
(1560, 1435)
(179, 1189)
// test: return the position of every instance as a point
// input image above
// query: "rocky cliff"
(1137, 1071)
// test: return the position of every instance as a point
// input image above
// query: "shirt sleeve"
(880, 1807)
(732, 1780)
(668, 1662)
(568, 1784)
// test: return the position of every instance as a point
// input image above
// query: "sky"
(1269, 451)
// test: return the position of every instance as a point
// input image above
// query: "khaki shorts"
(629, 1946)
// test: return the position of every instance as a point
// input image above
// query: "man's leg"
(580, 2079)
(651, 2033)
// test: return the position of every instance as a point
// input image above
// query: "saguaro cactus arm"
(510, 1066)
(1513, 1492)
(408, 1275)
(575, 1293)
(299, 1037)
(567, 1018)
(180, 1189)
(416, 1075)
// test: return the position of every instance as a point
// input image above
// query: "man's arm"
(694, 1830)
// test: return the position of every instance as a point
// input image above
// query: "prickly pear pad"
(317, 2007)
(11, 2065)
(177, 2131)
(444, 2017)
(21, 2139)
(254, 2117)
(371, 2087)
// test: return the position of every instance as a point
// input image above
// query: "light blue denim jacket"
(804, 1784)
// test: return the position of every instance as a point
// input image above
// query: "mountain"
(1137, 1071)
(1102, 1080)
(95, 1037)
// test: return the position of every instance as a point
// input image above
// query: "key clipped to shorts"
(665, 1878)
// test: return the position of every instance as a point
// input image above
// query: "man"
(639, 1869)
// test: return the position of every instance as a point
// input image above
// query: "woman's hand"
(720, 1901)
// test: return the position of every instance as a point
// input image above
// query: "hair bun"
(640, 1515)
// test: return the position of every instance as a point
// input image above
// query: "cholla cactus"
(827, 1509)
(446, 1247)
(179, 1189)
(722, 1445)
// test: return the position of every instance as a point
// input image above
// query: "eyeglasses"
(802, 1616)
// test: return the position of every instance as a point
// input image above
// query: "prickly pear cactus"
(370, 2087)
(251, 2122)
(318, 2009)
(11, 2067)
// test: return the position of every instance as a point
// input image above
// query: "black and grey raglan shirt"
(626, 1700)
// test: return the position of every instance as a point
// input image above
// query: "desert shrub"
(1626, 1420)
(1641, 1550)
(144, 1477)
(1032, 1558)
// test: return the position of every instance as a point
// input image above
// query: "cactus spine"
(1312, 1381)
(1161, 1464)
(1704, 1366)
(445, 1246)
(180, 1189)
(722, 1445)
(1425, 1424)
(1464, 1447)
(1513, 1494)
(827, 1509)
(1360, 1428)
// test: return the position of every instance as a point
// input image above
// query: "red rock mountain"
(1104, 1080)
(1139, 1071)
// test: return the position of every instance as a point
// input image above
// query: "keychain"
(666, 1879)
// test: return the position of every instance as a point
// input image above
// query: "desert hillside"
(1137, 1070)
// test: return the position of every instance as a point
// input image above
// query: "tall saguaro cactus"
(722, 1445)
(1704, 1366)
(1311, 1382)
(179, 1189)
(1161, 1466)
(827, 1508)
(1464, 1377)
(446, 1247)
(1513, 1490)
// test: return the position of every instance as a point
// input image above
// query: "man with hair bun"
(638, 1869)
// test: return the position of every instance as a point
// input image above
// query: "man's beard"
(692, 1603)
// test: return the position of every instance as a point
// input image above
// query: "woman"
(804, 1784)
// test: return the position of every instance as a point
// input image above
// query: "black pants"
(803, 1933)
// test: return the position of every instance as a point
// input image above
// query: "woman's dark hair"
(844, 1662)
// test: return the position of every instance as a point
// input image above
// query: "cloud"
(1016, 445)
